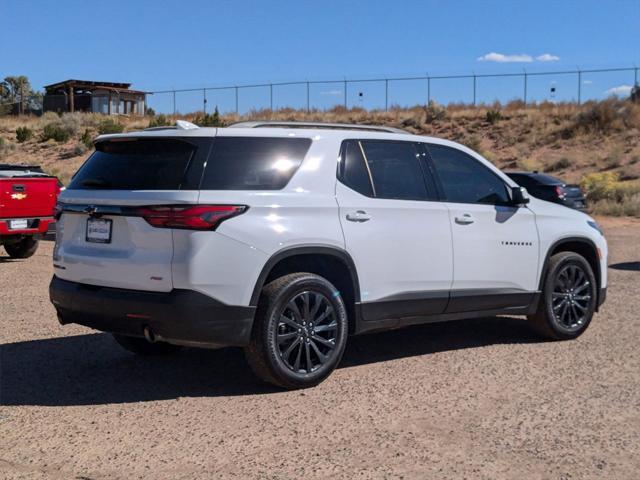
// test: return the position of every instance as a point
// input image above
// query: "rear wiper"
(95, 182)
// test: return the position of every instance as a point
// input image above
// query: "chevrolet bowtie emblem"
(18, 196)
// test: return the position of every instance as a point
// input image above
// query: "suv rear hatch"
(106, 235)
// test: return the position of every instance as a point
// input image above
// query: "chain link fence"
(385, 93)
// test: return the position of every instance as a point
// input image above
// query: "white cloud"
(331, 92)
(587, 82)
(547, 57)
(619, 90)
(502, 58)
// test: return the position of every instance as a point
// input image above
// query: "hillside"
(570, 141)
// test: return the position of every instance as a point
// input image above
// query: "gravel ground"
(471, 399)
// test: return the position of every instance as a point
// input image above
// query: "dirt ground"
(473, 399)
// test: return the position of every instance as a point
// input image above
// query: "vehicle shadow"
(631, 266)
(92, 369)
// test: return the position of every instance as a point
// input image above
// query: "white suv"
(285, 238)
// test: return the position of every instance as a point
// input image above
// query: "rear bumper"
(36, 225)
(182, 317)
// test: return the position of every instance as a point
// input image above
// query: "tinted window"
(253, 163)
(395, 169)
(522, 180)
(464, 179)
(353, 169)
(135, 165)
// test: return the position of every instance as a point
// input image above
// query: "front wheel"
(299, 332)
(24, 248)
(569, 298)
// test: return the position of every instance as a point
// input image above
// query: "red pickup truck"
(27, 202)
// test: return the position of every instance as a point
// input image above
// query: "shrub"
(79, 149)
(56, 131)
(630, 206)
(110, 126)
(159, 121)
(599, 186)
(208, 120)
(23, 134)
(493, 116)
(87, 138)
(560, 164)
(435, 112)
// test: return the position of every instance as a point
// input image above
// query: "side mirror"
(519, 196)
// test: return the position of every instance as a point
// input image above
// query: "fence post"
(386, 94)
(345, 93)
(174, 103)
(474, 89)
(271, 96)
(525, 88)
(635, 76)
(579, 86)
(428, 90)
(236, 87)
(308, 109)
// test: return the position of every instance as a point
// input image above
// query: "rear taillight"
(193, 217)
(560, 192)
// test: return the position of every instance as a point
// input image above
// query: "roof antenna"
(184, 125)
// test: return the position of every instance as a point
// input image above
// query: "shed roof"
(91, 84)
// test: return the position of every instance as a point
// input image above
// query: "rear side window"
(135, 165)
(353, 170)
(253, 163)
(464, 179)
(395, 169)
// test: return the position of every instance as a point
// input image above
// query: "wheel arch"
(582, 246)
(332, 263)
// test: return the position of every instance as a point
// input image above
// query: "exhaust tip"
(149, 335)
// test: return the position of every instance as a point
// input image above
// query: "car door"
(495, 243)
(397, 234)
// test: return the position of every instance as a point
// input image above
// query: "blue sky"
(160, 45)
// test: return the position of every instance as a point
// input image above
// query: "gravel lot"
(472, 399)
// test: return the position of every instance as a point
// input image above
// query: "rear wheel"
(300, 331)
(568, 298)
(140, 346)
(24, 248)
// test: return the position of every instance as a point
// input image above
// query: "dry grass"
(567, 139)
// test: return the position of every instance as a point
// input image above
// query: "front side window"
(253, 163)
(395, 170)
(464, 179)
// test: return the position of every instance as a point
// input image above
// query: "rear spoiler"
(31, 168)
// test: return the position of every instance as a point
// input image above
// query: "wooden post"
(71, 105)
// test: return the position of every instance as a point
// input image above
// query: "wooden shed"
(109, 98)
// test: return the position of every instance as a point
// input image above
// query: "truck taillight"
(560, 192)
(192, 217)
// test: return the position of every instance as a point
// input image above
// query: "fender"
(588, 242)
(287, 252)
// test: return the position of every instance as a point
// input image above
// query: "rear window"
(159, 164)
(253, 163)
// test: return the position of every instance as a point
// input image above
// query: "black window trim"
(430, 184)
(440, 188)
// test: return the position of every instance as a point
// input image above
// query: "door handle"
(359, 216)
(465, 219)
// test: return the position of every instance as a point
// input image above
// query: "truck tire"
(299, 332)
(25, 248)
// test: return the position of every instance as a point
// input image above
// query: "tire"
(569, 279)
(140, 346)
(299, 332)
(25, 248)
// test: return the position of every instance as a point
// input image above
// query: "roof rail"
(180, 125)
(320, 125)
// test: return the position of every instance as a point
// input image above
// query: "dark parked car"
(552, 189)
